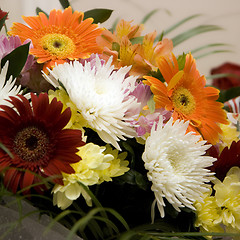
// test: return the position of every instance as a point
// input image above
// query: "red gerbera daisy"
(228, 158)
(3, 14)
(37, 141)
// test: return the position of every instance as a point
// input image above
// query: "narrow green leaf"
(146, 18)
(82, 222)
(114, 25)
(6, 150)
(221, 75)
(55, 220)
(173, 27)
(2, 21)
(17, 59)
(38, 10)
(99, 15)
(98, 204)
(211, 52)
(64, 3)
(193, 32)
(195, 50)
(127, 235)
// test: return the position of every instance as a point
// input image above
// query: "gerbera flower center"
(58, 44)
(31, 144)
(183, 100)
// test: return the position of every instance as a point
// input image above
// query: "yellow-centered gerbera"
(186, 95)
(64, 35)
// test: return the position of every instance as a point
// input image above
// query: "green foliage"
(176, 25)
(181, 61)
(146, 18)
(38, 10)
(99, 15)
(137, 40)
(64, 3)
(2, 21)
(6, 150)
(151, 104)
(193, 32)
(228, 94)
(17, 59)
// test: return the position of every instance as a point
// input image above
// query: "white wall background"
(224, 13)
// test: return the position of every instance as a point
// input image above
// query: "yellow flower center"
(58, 44)
(183, 100)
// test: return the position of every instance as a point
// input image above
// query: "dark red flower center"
(31, 144)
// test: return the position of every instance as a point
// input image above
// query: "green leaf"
(221, 75)
(173, 27)
(193, 32)
(208, 46)
(151, 105)
(64, 3)
(146, 18)
(38, 10)
(228, 94)
(99, 15)
(17, 59)
(6, 150)
(115, 46)
(137, 40)
(211, 52)
(114, 25)
(2, 21)
(181, 61)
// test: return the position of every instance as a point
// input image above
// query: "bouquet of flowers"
(111, 134)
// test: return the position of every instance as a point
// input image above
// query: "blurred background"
(225, 14)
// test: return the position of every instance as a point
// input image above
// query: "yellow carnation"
(228, 198)
(208, 214)
(229, 134)
(98, 164)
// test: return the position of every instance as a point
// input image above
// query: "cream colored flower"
(228, 198)
(98, 164)
(7, 88)
(176, 165)
(208, 217)
(229, 134)
(102, 96)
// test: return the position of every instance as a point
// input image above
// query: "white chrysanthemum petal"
(102, 96)
(176, 165)
(7, 88)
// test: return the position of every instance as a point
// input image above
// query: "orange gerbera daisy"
(186, 95)
(63, 36)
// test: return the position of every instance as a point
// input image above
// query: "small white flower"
(176, 165)
(102, 96)
(7, 88)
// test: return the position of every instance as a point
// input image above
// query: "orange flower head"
(118, 44)
(186, 95)
(148, 53)
(61, 37)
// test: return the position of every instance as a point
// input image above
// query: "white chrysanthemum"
(7, 88)
(101, 95)
(176, 165)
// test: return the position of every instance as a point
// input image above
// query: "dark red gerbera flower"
(228, 158)
(2, 14)
(37, 141)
